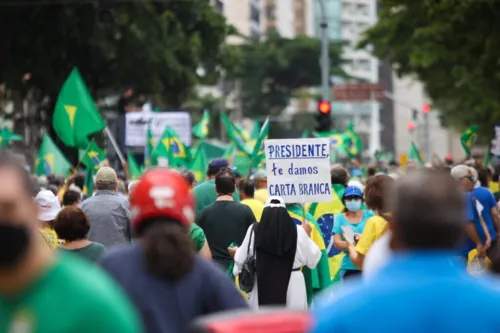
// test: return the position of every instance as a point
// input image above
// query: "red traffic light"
(324, 107)
(426, 108)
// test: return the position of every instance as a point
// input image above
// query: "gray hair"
(460, 171)
(103, 185)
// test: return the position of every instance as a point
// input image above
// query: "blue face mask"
(353, 205)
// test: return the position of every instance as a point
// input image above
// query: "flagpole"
(75, 169)
(114, 144)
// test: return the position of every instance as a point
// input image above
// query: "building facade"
(245, 15)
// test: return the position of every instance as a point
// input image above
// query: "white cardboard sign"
(298, 170)
(136, 126)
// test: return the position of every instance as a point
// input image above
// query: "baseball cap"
(48, 205)
(260, 174)
(352, 191)
(218, 163)
(356, 183)
(106, 174)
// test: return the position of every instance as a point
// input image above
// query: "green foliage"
(452, 47)
(152, 46)
(272, 70)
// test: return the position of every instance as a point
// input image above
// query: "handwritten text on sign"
(298, 170)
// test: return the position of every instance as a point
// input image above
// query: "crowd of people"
(393, 251)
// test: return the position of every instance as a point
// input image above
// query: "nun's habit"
(281, 249)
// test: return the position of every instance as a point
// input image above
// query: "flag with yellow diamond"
(201, 129)
(170, 148)
(92, 157)
(76, 115)
(50, 160)
(199, 164)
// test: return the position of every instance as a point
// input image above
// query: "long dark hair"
(168, 249)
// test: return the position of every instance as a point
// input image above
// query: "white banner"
(298, 170)
(136, 126)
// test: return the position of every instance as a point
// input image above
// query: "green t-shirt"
(92, 252)
(205, 195)
(197, 235)
(71, 296)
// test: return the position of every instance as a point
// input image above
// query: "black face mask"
(14, 241)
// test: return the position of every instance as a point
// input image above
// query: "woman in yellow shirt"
(377, 225)
(48, 208)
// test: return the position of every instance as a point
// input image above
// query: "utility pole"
(325, 59)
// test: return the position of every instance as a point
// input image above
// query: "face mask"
(14, 241)
(353, 205)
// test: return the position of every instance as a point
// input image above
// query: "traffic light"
(323, 117)
(324, 107)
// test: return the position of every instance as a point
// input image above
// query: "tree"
(272, 70)
(450, 46)
(155, 47)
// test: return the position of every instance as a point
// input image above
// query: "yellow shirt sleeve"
(375, 227)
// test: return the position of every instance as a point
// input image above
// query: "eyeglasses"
(352, 198)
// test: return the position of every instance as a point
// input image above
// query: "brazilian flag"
(317, 279)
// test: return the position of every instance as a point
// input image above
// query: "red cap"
(161, 192)
(449, 157)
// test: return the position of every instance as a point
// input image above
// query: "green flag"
(199, 164)
(133, 167)
(201, 129)
(7, 136)
(76, 115)
(50, 160)
(88, 185)
(171, 148)
(415, 155)
(467, 138)
(258, 153)
(149, 149)
(254, 135)
(355, 146)
(92, 157)
(235, 135)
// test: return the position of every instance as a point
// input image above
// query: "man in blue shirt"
(474, 227)
(490, 218)
(421, 289)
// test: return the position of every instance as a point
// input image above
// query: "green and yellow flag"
(415, 155)
(354, 146)
(170, 147)
(236, 136)
(199, 164)
(50, 160)
(201, 129)
(76, 115)
(92, 157)
(133, 167)
(7, 136)
(316, 279)
(88, 185)
(149, 149)
(467, 138)
(258, 154)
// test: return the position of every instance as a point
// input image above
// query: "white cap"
(48, 205)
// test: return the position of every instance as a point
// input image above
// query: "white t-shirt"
(377, 257)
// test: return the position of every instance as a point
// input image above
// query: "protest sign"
(136, 126)
(298, 170)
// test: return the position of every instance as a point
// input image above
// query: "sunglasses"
(471, 178)
(352, 198)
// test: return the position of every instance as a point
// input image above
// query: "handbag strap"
(250, 242)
